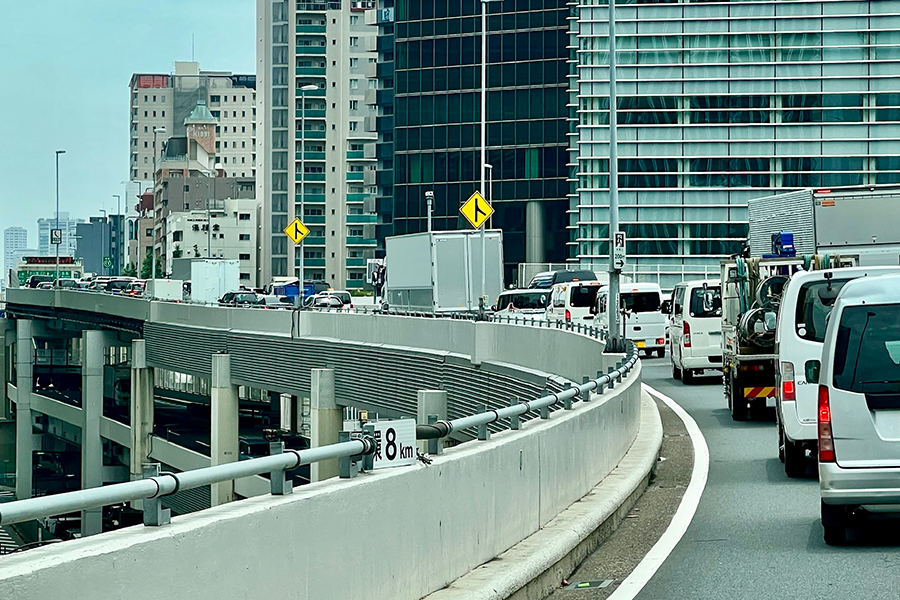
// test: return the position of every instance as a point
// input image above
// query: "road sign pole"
(614, 342)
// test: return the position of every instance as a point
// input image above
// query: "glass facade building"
(437, 84)
(720, 102)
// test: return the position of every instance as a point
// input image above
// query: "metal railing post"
(514, 420)
(434, 445)
(483, 433)
(154, 514)
(280, 486)
(586, 397)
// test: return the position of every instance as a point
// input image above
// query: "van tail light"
(787, 381)
(568, 315)
(687, 335)
(826, 440)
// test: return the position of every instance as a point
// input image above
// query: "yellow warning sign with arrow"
(476, 210)
(296, 231)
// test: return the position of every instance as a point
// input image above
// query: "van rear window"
(641, 301)
(706, 302)
(867, 349)
(583, 296)
(524, 300)
(814, 304)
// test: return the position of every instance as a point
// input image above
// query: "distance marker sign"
(476, 210)
(395, 443)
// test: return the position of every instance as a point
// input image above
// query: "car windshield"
(342, 296)
(706, 302)
(583, 296)
(641, 301)
(245, 297)
(523, 300)
(867, 349)
(814, 304)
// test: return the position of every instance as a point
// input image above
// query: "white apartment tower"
(68, 227)
(314, 65)
(165, 100)
(14, 238)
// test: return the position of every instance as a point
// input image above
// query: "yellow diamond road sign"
(476, 210)
(296, 231)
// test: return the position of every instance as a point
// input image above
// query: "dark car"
(36, 280)
(239, 299)
(547, 280)
(117, 286)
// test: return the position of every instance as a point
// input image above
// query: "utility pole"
(58, 152)
(615, 343)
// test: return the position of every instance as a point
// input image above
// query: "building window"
(245, 276)
(244, 256)
(244, 217)
(354, 62)
(354, 41)
(353, 125)
(177, 236)
(244, 237)
(354, 105)
(354, 85)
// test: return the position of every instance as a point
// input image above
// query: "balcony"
(356, 262)
(312, 134)
(357, 197)
(311, 262)
(355, 176)
(355, 284)
(301, 50)
(354, 219)
(311, 28)
(309, 177)
(311, 198)
(311, 113)
(356, 154)
(310, 156)
(309, 240)
(360, 241)
(314, 220)
(320, 71)
(319, 93)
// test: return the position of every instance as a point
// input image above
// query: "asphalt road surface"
(755, 534)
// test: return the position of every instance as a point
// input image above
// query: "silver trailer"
(441, 271)
(858, 223)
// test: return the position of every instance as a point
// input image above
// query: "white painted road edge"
(660, 551)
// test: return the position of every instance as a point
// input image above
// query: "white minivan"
(645, 324)
(695, 333)
(573, 301)
(806, 304)
(858, 405)
(528, 305)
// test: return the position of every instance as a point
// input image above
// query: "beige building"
(166, 100)
(317, 158)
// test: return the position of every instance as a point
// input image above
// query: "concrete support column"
(326, 421)
(7, 337)
(224, 424)
(430, 402)
(141, 408)
(24, 417)
(95, 343)
(534, 232)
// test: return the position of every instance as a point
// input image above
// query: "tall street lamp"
(483, 165)
(615, 343)
(58, 152)
(156, 130)
(311, 87)
(103, 249)
(117, 265)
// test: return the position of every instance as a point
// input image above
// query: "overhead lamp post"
(103, 248)
(117, 265)
(58, 152)
(615, 343)
(483, 164)
(310, 87)
(156, 130)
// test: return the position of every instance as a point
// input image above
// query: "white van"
(645, 324)
(858, 408)
(802, 317)
(573, 301)
(695, 333)
(528, 304)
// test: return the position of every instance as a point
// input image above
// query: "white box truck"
(165, 289)
(441, 271)
(861, 224)
(210, 279)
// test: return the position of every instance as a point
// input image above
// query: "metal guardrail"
(155, 485)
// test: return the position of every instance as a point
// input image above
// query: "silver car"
(859, 405)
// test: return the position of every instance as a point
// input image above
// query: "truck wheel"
(794, 459)
(834, 521)
(676, 372)
(661, 353)
(738, 405)
(688, 377)
(780, 443)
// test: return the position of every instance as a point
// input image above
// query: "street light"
(103, 248)
(615, 343)
(118, 232)
(310, 87)
(484, 3)
(58, 152)
(156, 130)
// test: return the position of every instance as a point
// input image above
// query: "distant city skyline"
(73, 94)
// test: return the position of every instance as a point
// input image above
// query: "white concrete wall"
(398, 533)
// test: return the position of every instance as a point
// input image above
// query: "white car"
(644, 322)
(530, 304)
(806, 304)
(858, 407)
(695, 330)
(573, 302)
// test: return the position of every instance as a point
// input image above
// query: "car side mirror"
(666, 307)
(812, 371)
(494, 308)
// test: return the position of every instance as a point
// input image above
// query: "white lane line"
(635, 582)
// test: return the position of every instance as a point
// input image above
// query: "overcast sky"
(64, 73)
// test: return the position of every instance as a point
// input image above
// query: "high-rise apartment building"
(68, 227)
(316, 160)
(166, 100)
(14, 238)
(723, 102)
(437, 85)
